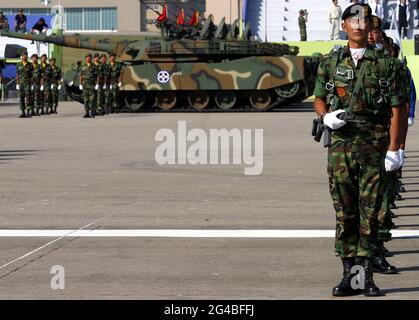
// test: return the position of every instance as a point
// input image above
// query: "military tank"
(213, 68)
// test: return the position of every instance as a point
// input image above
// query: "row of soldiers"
(363, 94)
(100, 83)
(38, 84)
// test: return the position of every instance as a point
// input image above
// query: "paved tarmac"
(65, 172)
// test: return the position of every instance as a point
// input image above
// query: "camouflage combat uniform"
(103, 94)
(25, 72)
(47, 94)
(89, 74)
(56, 78)
(115, 71)
(356, 156)
(303, 28)
(36, 87)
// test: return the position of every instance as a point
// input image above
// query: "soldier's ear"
(344, 26)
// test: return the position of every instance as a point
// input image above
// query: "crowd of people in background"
(402, 12)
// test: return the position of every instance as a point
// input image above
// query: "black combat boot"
(93, 114)
(42, 112)
(86, 115)
(370, 289)
(393, 205)
(55, 109)
(381, 265)
(385, 252)
(23, 115)
(29, 114)
(392, 214)
(37, 112)
(344, 288)
(398, 197)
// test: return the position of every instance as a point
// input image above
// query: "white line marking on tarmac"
(68, 233)
(182, 233)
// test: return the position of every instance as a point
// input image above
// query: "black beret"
(34, 56)
(88, 55)
(357, 9)
(97, 55)
(376, 22)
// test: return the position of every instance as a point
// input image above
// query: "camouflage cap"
(302, 11)
(88, 55)
(44, 56)
(357, 9)
(376, 22)
(24, 52)
(34, 56)
(103, 55)
(112, 55)
(96, 55)
(52, 59)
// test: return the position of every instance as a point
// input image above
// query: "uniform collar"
(368, 55)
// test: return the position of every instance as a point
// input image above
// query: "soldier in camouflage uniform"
(89, 85)
(103, 92)
(47, 83)
(24, 74)
(355, 98)
(115, 82)
(56, 83)
(36, 85)
(302, 23)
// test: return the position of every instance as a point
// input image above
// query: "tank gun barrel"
(121, 49)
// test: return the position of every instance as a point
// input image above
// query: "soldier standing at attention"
(103, 92)
(302, 19)
(56, 83)
(47, 83)
(89, 85)
(24, 73)
(36, 85)
(115, 82)
(355, 98)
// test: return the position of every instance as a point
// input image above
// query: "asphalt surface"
(65, 172)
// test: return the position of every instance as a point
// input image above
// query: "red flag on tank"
(194, 19)
(163, 17)
(181, 18)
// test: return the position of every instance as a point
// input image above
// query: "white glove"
(110, 86)
(96, 87)
(42, 88)
(32, 87)
(392, 161)
(401, 156)
(52, 87)
(104, 87)
(17, 87)
(71, 83)
(81, 87)
(120, 84)
(59, 87)
(411, 122)
(332, 121)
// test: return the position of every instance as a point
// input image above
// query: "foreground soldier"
(89, 85)
(115, 82)
(56, 84)
(36, 86)
(24, 73)
(346, 87)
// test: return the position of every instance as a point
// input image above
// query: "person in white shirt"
(335, 12)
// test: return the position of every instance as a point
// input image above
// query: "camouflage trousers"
(89, 97)
(114, 96)
(384, 216)
(55, 96)
(36, 97)
(303, 35)
(46, 96)
(357, 191)
(102, 99)
(25, 95)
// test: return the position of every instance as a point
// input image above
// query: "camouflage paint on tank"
(253, 73)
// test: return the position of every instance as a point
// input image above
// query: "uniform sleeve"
(321, 80)
(394, 97)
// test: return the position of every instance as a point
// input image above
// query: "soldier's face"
(34, 60)
(357, 29)
(96, 60)
(44, 60)
(375, 36)
(52, 62)
(112, 59)
(25, 57)
(103, 60)
(88, 60)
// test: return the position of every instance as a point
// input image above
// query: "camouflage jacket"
(89, 74)
(374, 99)
(47, 73)
(25, 72)
(302, 23)
(37, 74)
(103, 72)
(56, 74)
(404, 83)
(115, 71)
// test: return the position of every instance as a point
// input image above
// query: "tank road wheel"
(261, 100)
(225, 100)
(135, 100)
(288, 91)
(198, 100)
(166, 100)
